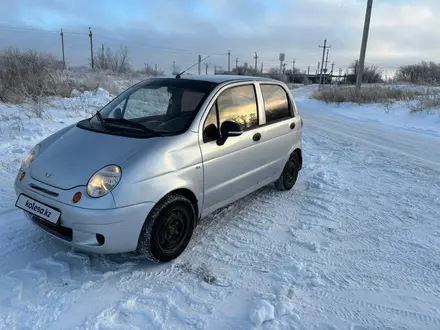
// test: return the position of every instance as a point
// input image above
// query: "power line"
(25, 29)
(97, 35)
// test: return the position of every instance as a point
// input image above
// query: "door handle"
(292, 125)
(256, 137)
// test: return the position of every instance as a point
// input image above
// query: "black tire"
(288, 177)
(168, 229)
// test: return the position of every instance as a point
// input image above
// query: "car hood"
(72, 158)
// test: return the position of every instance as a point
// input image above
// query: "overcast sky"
(160, 32)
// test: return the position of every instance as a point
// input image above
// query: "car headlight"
(104, 181)
(30, 158)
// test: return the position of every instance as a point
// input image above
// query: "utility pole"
(174, 67)
(308, 70)
(200, 63)
(215, 69)
(326, 69)
(91, 48)
(229, 61)
(331, 73)
(261, 68)
(317, 70)
(363, 47)
(293, 71)
(236, 63)
(284, 67)
(155, 68)
(326, 61)
(323, 55)
(101, 58)
(206, 67)
(62, 49)
(256, 59)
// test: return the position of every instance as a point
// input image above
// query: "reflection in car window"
(155, 102)
(147, 102)
(239, 104)
(276, 104)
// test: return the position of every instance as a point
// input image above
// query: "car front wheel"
(289, 175)
(168, 229)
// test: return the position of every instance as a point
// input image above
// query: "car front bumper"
(78, 227)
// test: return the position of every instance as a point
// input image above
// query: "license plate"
(39, 209)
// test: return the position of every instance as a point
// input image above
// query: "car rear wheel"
(168, 229)
(288, 177)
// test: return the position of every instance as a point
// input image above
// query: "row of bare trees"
(118, 62)
(422, 73)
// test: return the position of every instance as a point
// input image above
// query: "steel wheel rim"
(173, 231)
(290, 172)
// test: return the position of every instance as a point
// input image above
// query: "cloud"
(161, 32)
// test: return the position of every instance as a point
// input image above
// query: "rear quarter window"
(276, 103)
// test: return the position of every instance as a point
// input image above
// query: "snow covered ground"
(355, 245)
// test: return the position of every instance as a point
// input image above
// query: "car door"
(234, 168)
(281, 127)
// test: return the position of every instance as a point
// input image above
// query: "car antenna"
(181, 73)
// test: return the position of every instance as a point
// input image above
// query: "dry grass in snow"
(417, 98)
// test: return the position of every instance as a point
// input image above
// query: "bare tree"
(152, 71)
(371, 74)
(117, 62)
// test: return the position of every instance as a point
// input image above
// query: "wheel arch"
(185, 192)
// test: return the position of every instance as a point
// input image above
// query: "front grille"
(46, 191)
(57, 230)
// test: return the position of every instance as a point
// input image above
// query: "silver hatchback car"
(141, 172)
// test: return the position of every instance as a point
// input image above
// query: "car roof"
(221, 78)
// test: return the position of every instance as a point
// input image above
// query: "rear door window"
(276, 103)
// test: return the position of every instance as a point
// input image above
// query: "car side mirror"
(229, 129)
(117, 113)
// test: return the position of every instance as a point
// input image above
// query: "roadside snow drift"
(354, 245)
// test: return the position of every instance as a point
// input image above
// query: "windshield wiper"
(130, 123)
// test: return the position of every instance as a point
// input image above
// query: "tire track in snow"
(355, 252)
(62, 281)
(399, 313)
(171, 302)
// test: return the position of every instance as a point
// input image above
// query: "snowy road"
(355, 245)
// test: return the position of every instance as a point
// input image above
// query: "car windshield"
(154, 107)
